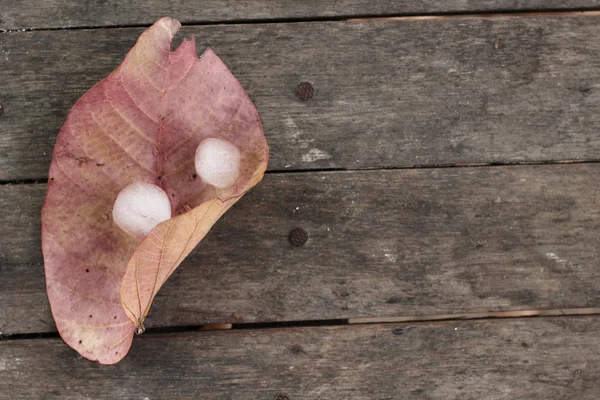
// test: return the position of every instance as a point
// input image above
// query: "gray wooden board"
(19, 14)
(389, 92)
(382, 244)
(534, 359)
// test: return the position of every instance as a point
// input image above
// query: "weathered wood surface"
(534, 359)
(389, 92)
(35, 14)
(382, 244)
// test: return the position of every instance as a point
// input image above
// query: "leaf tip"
(209, 52)
(171, 25)
(139, 329)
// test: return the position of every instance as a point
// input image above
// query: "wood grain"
(536, 359)
(381, 244)
(32, 14)
(388, 92)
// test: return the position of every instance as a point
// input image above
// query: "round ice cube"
(218, 162)
(140, 207)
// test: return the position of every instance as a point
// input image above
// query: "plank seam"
(253, 326)
(582, 11)
(377, 168)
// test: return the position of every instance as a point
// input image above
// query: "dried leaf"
(142, 123)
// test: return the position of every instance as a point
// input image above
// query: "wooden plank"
(389, 92)
(545, 358)
(32, 14)
(382, 244)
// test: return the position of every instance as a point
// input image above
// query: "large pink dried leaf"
(142, 123)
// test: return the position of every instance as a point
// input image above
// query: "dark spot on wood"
(173, 194)
(524, 296)
(115, 317)
(159, 177)
(305, 91)
(584, 90)
(52, 178)
(401, 331)
(297, 349)
(90, 316)
(417, 391)
(87, 270)
(100, 165)
(524, 345)
(281, 397)
(80, 342)
(298, 237)
(393, 300)
(1, 109)
(194, 176)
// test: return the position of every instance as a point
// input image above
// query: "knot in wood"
(298, 237)
(305, 91)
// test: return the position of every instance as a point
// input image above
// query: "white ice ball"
(140, 207)
(218, 162)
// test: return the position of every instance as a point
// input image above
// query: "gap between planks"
(479, 15)
(582, 12)
(561, 312)
(254, 326)
(564, 312)
(36, 181)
